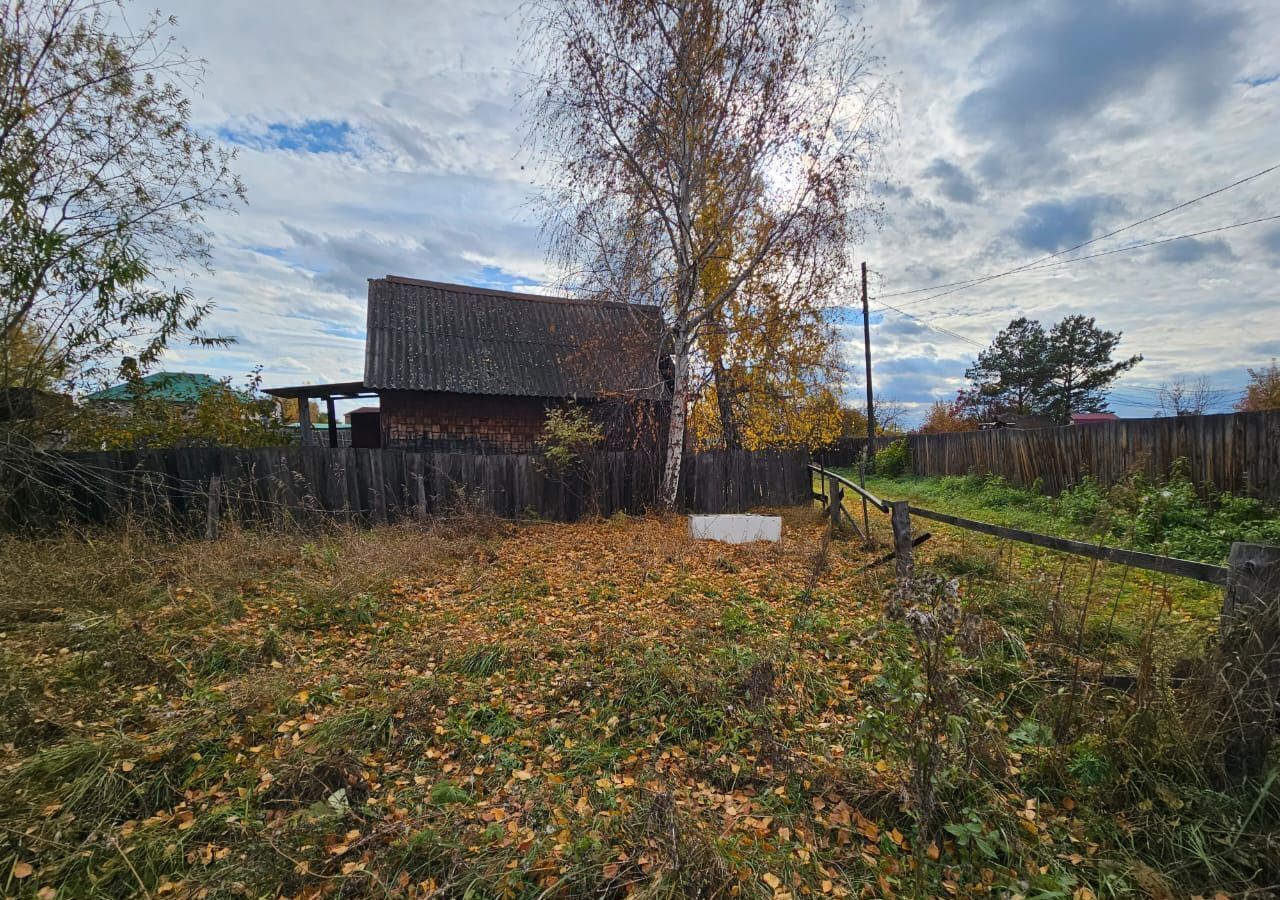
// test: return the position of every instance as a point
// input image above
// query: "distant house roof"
(361, 411)
(178, 387)
(1091, 418)
(429, 336)
(1018, 420)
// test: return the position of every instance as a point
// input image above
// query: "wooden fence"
(1246, 661)
(303, 483)
(847, 452)
(1237, 452)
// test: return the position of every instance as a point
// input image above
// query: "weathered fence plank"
(305, 484)
(1237, 452)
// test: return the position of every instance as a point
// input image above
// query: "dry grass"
(475, 708)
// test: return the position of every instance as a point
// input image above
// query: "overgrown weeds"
(606, 709)
(1171, 516)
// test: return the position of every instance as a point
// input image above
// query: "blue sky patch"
(308, 136)
(1260, 80)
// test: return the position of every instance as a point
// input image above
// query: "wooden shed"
(462, 368)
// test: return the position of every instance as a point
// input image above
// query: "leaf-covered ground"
(604, 709)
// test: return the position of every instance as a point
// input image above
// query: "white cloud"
(414, 107)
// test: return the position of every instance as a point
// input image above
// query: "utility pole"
(866, 344)
(871, 411)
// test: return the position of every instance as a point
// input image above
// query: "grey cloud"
(906, 365)
(892, 189)
(960, 13)
(1190, 250)
(1270, 243)
(1054, 224)
(1071, 64)
(953, 181)
(917, 387)
(900, 326)
(930, 219)
(344, 262)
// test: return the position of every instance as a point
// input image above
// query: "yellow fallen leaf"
(22, 870)
(772, 880)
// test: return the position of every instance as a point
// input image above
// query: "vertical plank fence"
(302, 484)
(1237, 452)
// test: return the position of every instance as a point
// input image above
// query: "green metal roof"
(179, 387)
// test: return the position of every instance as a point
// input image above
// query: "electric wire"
(1100, 237)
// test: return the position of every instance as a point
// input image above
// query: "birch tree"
(686, 134)
(103, 186)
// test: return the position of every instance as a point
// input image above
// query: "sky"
(386, 138)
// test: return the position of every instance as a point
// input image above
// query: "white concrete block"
(735, 529)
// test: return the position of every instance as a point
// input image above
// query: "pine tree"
(1011, 375)
(1080, 367)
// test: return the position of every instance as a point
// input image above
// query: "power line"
(1101, 237)
(1066, 262)
(1051, 265)
(930, 325)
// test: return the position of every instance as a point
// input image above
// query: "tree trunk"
(725, 392)
(675, 431)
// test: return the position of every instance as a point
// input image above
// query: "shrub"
(568, 433)
(1083, 504)
(893, 461)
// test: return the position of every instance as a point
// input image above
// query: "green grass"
(1166, 516)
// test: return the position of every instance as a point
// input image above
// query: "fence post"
(900, 518)
(1249, 657)
(835, 501)
(421, 505)
(215, 508)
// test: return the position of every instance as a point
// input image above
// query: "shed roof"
(431, 336)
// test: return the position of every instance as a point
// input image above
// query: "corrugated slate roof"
(429, 336)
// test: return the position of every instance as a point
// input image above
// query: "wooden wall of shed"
(442, 422)
(438, 422)
(1237, 452)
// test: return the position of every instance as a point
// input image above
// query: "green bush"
(1083, 504)
(568, 435)
(893, 461)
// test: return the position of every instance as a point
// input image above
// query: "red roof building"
(1092, 418)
